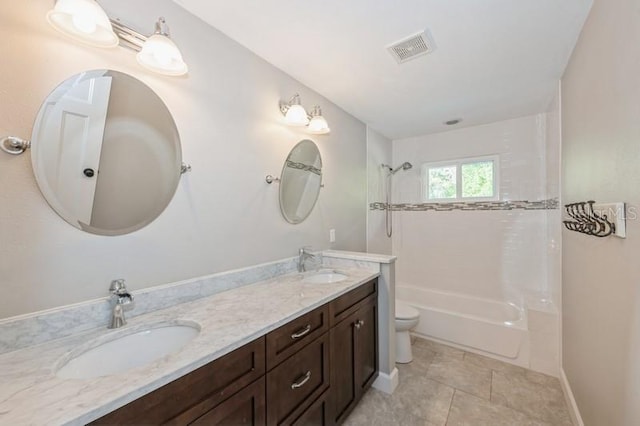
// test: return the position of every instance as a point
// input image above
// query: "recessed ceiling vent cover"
(410, 47)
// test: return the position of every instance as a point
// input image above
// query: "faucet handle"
(118, 286)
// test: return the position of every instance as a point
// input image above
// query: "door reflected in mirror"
(106, 152)
(301, 180)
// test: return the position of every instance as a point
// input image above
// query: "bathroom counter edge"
(32, 394)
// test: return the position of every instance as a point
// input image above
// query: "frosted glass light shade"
(296, 116)
(318, 125)
(160, 54)
(84, 20)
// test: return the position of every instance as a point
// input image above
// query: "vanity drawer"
(347, 304)
(291, 337)
(297, 382)
(247, 407)
(189, 397)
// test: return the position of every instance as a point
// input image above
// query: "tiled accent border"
(550, 204)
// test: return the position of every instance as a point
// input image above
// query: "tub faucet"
(303, 254)
(120, 297)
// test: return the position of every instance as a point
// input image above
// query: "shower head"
(403, 166)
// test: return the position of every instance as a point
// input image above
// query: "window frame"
(458, 163)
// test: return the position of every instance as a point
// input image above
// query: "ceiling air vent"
(410, 47)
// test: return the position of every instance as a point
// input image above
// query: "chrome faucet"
(303, 254)
(120, 297)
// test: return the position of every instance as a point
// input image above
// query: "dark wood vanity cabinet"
(296, 383)
(196, 394)
(310, 371)
(354, 357)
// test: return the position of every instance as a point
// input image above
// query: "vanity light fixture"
(318, 124)
(87, 22)
(295, 115)
(160, 54)
(83, 20)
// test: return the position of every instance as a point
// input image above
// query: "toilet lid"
(404, 311)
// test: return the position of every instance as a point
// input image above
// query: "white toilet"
(406, 318)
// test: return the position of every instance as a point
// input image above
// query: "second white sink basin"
(324, 276)
(128, 351)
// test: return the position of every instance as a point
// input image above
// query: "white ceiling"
(493, 59)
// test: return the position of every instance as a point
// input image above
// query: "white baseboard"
(576, 418)
(387, 383)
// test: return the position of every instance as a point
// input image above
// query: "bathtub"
(484, 325)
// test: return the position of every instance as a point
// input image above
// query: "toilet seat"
(406, 312)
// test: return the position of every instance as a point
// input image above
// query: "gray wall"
(601, 161)
(223, 216)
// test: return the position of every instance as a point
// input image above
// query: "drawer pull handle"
(298, 334)
(359, 324)
(300, 382)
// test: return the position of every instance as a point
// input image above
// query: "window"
(470, 179)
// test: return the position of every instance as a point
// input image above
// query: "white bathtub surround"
(485, 254)
(486, 325)
(544, 337)
(522, 336)
(387, 380)
(39, 327)
(32, 394)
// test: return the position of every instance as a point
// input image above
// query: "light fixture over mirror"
(318, 125)
(160, 54)
(295, 115)
(84, 21)
(87, 22)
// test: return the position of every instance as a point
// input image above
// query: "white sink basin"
(324, 276)
(128, 351)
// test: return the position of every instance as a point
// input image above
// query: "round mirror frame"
(118, 122)
(311, 165)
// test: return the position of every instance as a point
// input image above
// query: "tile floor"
(448, 386)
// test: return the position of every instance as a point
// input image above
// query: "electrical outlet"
(332, 235)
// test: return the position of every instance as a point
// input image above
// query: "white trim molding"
(388, 383)
(576, 418)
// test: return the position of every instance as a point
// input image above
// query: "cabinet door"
(246, 407)
(366, 347)
(317, 414)
(343, 386)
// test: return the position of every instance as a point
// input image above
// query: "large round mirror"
(106, 152)
(300, 183)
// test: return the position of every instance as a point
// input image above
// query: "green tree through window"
(477, 180)
(442, 182)
(473, 178)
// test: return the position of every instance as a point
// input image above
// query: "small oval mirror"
(106, 152)
(300, 181)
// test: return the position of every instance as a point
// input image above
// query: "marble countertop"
(31, 393)
(356, 255)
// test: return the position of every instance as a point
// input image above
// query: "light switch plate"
(332, 235)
